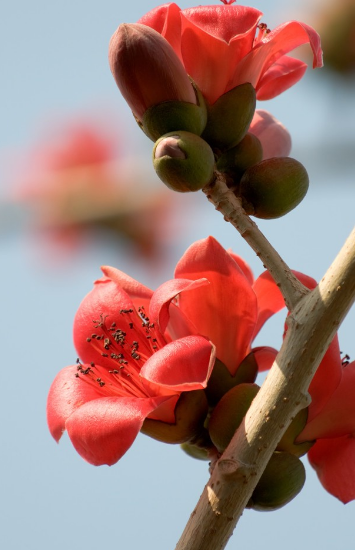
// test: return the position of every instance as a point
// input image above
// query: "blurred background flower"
(75, 181)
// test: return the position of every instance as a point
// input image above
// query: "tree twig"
(313, 323)
(230, 206)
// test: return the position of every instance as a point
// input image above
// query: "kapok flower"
(141, 351)
(333, 429)
(224, 46)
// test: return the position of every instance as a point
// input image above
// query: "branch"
(312, 325)
(230, 206)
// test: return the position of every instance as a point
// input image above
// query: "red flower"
(221, 48)
(333, 428)
(141, 350)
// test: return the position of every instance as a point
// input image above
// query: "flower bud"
(273, 187)
(195, 452)
(241, 157)
(230, 116)
(190, 414)
(183, 161)
(287, 442)
(221, 380)
(229, 413)
(274, 137)
(282, 480)
(171, 116)
(146, 69)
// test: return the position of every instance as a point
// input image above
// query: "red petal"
(337, 417)
(66, 394)
(106, 299)
(182, 365)
(139, 294)
(326, 379)
(225, 310)
(270, 299)
(243, 266)
(280, 77)
(274, 45)
(166, 20)
(334, 462)
(159, 306)
(265, 356)
(214, 39)
(103, 430)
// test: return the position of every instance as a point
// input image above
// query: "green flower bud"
(230, 116)
(241, 157)
(273, 187)
(221, 380)
(287, 442)
(171, 116)
(190, 414)
(282, 480)
(195, 452)
(183, 161)
(229, 413)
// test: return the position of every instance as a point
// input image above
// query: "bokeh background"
(57, 95)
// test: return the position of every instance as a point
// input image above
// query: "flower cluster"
(192, 78)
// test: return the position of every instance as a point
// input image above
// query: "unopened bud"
(221, 380)
(282, 480)
(230, 116)
(274, 137)
(273, 187)
(287, 442)
(229, 413)
(190, 414)
(241, 157)
(146, 69)
(183, 161)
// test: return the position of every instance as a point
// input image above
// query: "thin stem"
(314, 323)
(230, 206)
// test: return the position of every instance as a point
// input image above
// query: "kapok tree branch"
(230, 206)
(313, 323)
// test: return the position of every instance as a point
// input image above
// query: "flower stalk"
(226, 202)
(313, 322)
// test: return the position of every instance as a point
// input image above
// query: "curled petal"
(264, 356)
(270, 299)
(103, 430)
(337, 417)
(159, 305)
(166, 20)
(182, 365)
(139, 294)
(225, 310)
(275, 45)
(334, 462)
(286, 72)
(66, 394)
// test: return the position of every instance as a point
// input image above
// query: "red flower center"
(127, 348)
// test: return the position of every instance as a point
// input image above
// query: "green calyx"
(229, 413)
(287, 442)
(273, 187)
(230, 116)
(221, 380)
(190, 414)
(238, 159)
(171, 116)
(183, 161)
(282, 480)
